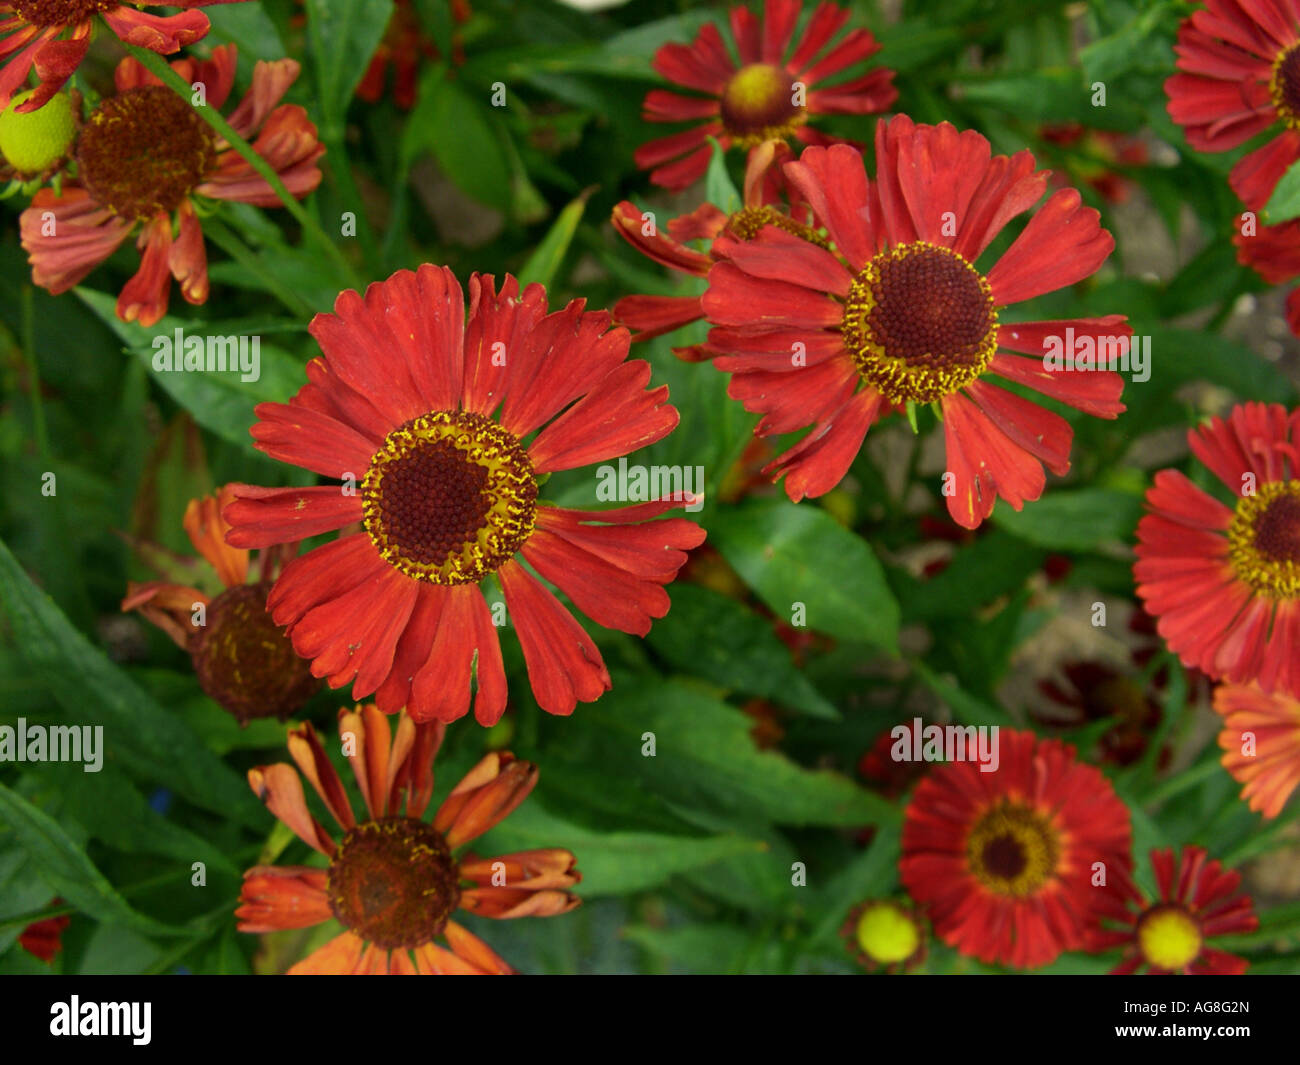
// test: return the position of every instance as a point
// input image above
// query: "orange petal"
(281, 789)
(400, 964)
(503, 903)
(278, 897)
(481, 809)
(416, 777)
(470, 948)
(552, 867)
(338, 957)
(306, 749)
(207, 532)
(433, 960)
(352, 731)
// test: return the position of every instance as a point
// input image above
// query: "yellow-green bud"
(34, 142)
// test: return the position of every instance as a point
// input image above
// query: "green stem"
(159, 67)
(33, 373)
(229, 242)
(1187, 778)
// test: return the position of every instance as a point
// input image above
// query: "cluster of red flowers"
(837, 294)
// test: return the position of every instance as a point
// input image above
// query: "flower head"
(1197, 901)
(1239, 75)
(1224, 581)
(242, 658)
(53, 36)
(145, 159)
(763, 205)
(394, 880)
(1261, 743)
(771, 87)
(36, 144)
(899, 313)
(425, 417)
(1003, 861)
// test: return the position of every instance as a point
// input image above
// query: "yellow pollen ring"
(449, 497)
(747, 222)
(1013, 850)
(1284, 87)
(1263, 523)
(871, 310)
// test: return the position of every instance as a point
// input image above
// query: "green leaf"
(451, 125)
(249, 27)
(139, 732)
(1074, 520)
(612, 863)
(342, 36)
(719, 189)
(705, 760)
(546, 258)
(871, 876)
(742, 652)
(70, 874)
(1284, 204)
(219, 401)
(966, 708)
(792, 554)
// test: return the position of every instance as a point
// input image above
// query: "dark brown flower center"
(245, 661)
(1285, 86)
(920, 323)
(1013, 850)
(760, 103)
(1265, 539)
(45, 13)
(747, 222)
(143, 151)
(450, 497)
(394, 882)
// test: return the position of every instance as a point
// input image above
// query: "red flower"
(652, 316)
(1261, 741)
(44, 939)
(145, 159)
(401, 407)
(1003, 861)
(767, 96)
(901, 314)
(394, 881)
(405, 46)
(33, 32)
(1224, 582)
(1240, 74)
(1197, 901)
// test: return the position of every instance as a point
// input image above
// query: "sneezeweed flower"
(404, 48)
(146, 161)
(1239, 75)
(778, 84)
(1261, 743)
(394, 880)
(1197, 901)
(763, 204)
(242, 658)
(44, 939)
(900, 314)
(35, 145)
(1004, 862)
(1224, 581)
(53, 35)
(1090, 691)
(424, 417)
(885, 935)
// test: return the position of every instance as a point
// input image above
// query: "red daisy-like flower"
(1261, 743)
(1223, 581)
(243, 660)
(53, 35)
(652, 316)
(146, 159)
(1197, 901)
(900, 314)
(1239, 74)
(767, 90)
(394, 880)
(425, 418)
(1004, 861)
